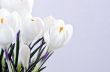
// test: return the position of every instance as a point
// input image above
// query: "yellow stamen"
(2, 20)
(61, 29)
(32, 20)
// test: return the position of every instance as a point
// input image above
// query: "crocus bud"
(24, 55)
(31, 28)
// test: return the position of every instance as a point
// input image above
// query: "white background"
(89, 48)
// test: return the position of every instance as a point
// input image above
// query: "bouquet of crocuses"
(26, 42)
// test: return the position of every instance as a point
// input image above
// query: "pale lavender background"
(89, 48)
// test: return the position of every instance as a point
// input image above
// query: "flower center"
(32, 20)
(61, 29)
(2, 20)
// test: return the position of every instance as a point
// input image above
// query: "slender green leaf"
(36, 50)
(41, 69)
(11, 50)
(46, 59)
(36, 42)
(32, 66)
(1, 56)
(17, 49)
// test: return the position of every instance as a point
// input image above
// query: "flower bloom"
(31, 27)
(17, 26)
(21, 6)
(58, 34)
(24, 55)
(8, 23)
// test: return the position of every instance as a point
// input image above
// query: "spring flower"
(24, 55)
(8, 24)
(59, 34)
(21, 6)
(31, 27)
(48, 22)
(27, 42)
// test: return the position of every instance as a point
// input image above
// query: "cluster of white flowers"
(16, 15)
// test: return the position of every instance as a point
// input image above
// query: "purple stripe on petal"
(44, 56)
(18, 33)
(6, 54)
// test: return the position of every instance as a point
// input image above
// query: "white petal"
(7, 28)
(9, 4)
(40, 24)
(5, 15)
(27, 31)
(10, 19)
(59, 38)
(16, 21)
(69, 32)
(47, 38)
(32, 28)
(24, 55)
(56, 38)
(6, 35)
(4, 12)
(24, 7)
(49, 21)
(59, 21)
(21, 6)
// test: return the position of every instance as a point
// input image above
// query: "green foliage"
(13, 55)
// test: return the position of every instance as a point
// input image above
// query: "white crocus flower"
(58, 34)
(31, 27)
(21, 6)
(49, 21)
(24, 55)
(7, 27)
